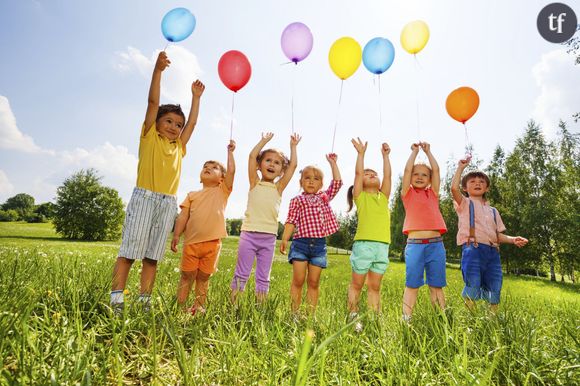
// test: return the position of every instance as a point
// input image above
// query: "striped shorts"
(149, 219)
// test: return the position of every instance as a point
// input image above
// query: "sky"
(74, 78)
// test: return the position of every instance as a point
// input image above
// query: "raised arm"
(406, 182)
(231, 167)
(197, 89)
(435, 172)
(386, 184)
(253, 158)
(332, 158)
(289, 172)
(456, 181)
(180, 223)
(359, 170)
(155, 90)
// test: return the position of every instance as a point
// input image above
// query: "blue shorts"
(312, 250)
(425, 259)
(369, 256)
(481, 269)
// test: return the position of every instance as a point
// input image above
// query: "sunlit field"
(56, 327)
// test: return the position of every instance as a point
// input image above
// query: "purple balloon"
(296, 41)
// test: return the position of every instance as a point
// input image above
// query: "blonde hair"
(426, 165)
(317, 172)
(219, 164)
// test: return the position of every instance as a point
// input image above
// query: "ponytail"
(349, 198)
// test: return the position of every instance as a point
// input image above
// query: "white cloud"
(10, 136)
(177, 79)
(5, 186)
(559, 82)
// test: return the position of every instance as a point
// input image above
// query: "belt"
(425, 241)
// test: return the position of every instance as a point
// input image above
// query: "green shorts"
(369, 255)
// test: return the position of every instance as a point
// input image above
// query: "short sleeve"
(499, 222)
(187, 202)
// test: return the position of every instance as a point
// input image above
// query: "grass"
(56, 328)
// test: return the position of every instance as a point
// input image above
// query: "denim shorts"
(425, 259)
(369, 255)
(312, 250)
(481, 270)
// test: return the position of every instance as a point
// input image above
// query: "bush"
(22, 203)
(8, 215)
(86, 210)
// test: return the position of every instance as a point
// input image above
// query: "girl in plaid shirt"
(311, 219)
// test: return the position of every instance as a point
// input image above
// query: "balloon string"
(417, 98)
(467, 146)
(232, 119)
(292, 101)
(336, 120)
(167, 45)
(380, 110)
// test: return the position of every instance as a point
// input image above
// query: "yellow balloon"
(414, 36)
(344, 57)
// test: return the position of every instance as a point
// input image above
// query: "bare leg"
(313, 284)
(148, 272)
(298, 277)
(374, 290)
(201, 287)
(354, 289)
(437, 297)
(469, 303)
(121, 273)
(185, 283)
(409, 300)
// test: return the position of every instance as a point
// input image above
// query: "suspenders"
(471, 238)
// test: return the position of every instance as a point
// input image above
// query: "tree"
(397, 221)
(8, 215)
(234, 226)
(22, 203)
(86, 210)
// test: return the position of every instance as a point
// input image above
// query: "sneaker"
(406, 319)
(358, 326)
(118, 309)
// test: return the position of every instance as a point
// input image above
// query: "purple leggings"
(259, 245)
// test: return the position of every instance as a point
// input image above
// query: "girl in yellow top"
(370, 251)
(260, 225)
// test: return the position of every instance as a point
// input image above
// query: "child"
(479, 233)
(153, 206)
(424, 225)
(260, 225)
(311, 217)
(370, 251)
(202, 219)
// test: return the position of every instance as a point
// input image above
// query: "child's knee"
(188, 276)
(313, 284)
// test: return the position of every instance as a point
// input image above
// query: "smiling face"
(420, 176)
(371, 179)
(271, 166)
(476, 186)
(169, 125)
(311, 180)
(211, 174)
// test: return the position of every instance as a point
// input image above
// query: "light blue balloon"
(378, 55)
(177, 24)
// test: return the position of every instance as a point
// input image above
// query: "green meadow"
(56, 327)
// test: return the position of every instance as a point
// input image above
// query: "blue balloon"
(177, 24)
(378, 55)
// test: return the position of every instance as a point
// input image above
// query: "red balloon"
(234, 70)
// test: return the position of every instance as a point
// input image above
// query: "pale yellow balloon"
(345, 57)
(414, 36)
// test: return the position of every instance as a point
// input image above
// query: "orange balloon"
(462, 103)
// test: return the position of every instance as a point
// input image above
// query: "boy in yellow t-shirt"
(202, 221)
(153, 206)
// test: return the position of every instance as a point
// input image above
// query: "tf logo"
(557, 22)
